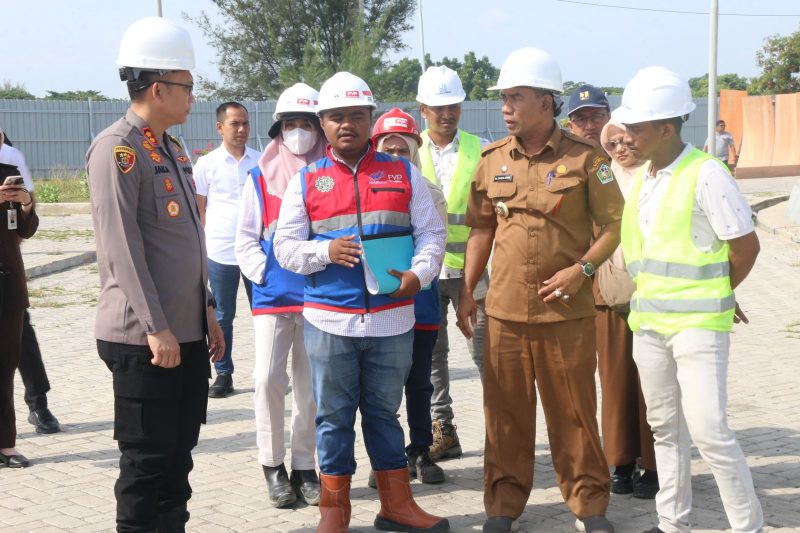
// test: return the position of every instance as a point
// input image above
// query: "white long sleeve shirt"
(297, 253)
(249, 255)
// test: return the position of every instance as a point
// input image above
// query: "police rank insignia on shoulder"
(155, 156)
(604, 174)
(504, 177)
(125, 157)
(150, 136)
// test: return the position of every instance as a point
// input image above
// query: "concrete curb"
(61, 264)
(61, 209)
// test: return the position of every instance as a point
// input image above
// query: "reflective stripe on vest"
(372, 217)
(469, 154)
(678, 286)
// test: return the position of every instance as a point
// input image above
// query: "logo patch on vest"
(324, 184)
(125, 157)
(604, 174)
(376, 176)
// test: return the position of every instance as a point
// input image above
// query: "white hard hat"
(654, 93)
(530, 67)
(298, 99)
(440, 86)
(344, 90)
(155, 43)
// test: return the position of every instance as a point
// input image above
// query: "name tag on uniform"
(503, 178)
(12, 218)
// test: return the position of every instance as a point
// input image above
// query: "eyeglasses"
(595, 118)
(189, 86)
(610, 146)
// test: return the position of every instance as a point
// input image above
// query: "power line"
(679, 12)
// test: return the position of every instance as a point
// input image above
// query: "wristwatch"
(586, 267)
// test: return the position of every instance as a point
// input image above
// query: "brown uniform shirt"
(150, 244)
(553, 197)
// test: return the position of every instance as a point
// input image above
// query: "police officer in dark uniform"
(155, 323)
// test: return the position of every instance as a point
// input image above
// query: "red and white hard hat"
(298, 100)
(396, 121)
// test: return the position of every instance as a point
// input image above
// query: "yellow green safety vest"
(677, 286)
(469, 154)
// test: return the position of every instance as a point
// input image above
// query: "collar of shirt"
(669, 169)
(517, 151)
(222, 153)
(338, 159)
(451, 147)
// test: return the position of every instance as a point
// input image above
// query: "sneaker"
(445, 442)
(594, 524)
(421, 467)
(222, 386)
(645, 486)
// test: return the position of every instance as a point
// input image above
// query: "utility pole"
(712, 75)
(158, 8)
(421, 38)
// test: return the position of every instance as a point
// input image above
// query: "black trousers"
(31, 368)
(157, 417)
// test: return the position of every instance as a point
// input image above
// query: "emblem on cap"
(173, 208)
(501, 209)
(584, 95)
(125, 157)
(324, 183)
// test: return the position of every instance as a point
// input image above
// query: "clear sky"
(66, 45)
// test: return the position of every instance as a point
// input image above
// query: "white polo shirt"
(720, 212)
(219, 177)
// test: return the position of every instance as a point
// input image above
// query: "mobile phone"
(14, 181)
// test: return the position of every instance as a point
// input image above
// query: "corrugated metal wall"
(54, 135)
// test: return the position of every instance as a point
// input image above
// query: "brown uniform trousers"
(626, 434)
(551, 199)
(561, 359)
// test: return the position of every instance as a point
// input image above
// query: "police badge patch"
(604, 174)
(324, 183)
(125, 157)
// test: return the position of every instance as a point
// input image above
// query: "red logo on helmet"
(351, 94)
(395, 122)
(304, 101)
(367, 93)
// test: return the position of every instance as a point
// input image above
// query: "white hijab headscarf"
(624, 175)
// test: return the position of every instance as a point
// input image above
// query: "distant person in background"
(18, 221)
(723, 144)
(588, 112)
(219, 177)
(31, 365)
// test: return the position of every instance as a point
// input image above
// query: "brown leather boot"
(334, 504)
(399, 511)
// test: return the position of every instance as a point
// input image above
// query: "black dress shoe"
(44, 421)
(281, 493)
(221, 387)
(306, 485)
(645, 486)
(420, 466)
(498, 524)
(621, 482)
(14, 461)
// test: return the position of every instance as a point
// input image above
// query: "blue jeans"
(364, 373)
(419, 390)
(224, 281)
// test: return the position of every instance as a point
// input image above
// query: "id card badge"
(12, 218)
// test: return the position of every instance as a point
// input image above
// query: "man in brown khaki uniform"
(534, 197)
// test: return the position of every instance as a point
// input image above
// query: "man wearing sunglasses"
(588, 112)
(155, 327)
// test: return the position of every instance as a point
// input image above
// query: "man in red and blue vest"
(359, 344)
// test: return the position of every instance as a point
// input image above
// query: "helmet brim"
(447, 100)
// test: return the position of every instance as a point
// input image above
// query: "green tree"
(14, 91)
(398, 82)
(570, 86)
(264, 46)
(779, 60)
(75, 95)
(699, 85)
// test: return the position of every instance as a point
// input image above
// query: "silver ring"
(565, 297)
(558, 293)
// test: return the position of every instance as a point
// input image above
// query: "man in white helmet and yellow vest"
(448, 157)
(688, 241)
(155, 324)
(534, 198)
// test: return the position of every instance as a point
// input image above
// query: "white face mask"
(299, 141)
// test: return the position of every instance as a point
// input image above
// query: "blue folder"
(383, 253)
